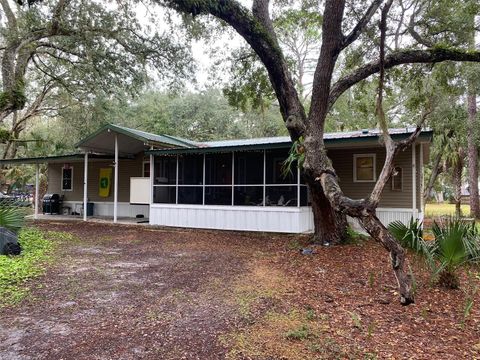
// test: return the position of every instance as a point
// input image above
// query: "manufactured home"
(232, 184)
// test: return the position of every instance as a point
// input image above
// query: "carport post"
(37, 188)
(85, 186)
(115, 193)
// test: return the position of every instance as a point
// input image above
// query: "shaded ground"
(122, 292)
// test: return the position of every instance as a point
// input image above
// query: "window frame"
(145, 162)
(401, 178)
(374, 157)
(71, 180)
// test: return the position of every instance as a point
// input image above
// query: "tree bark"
(473, 155)
(330, 225)
(397, 255)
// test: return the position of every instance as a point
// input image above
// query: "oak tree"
(341, 29)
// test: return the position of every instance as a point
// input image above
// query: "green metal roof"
(143, 136)
(183, 146)
(338, 138)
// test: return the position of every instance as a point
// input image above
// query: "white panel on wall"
(140, 190)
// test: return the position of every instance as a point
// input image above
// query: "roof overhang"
(60, 159)
(130, 141)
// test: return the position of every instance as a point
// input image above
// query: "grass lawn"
(434, 210)
(16, 271)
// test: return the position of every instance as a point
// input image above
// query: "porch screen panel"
(249, 168)
(190, 169)
(218, 169)
(218, 195)
(165, 170)
(190, 179)
(281, 196)
(275, 165)
(281, 187)
(248, 196)
(190, 195)
(164, 194)
(164, 179)
(304, 196)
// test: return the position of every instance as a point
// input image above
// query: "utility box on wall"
(140, 190)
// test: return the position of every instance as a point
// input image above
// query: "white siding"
(270, 219)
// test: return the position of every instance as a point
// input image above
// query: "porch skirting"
(269, 219)
(248, 218)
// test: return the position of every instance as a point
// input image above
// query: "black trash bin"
(52, 204)
(89, 209)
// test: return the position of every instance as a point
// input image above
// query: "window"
(364, 168)
(397, 179)
(67, 178)
(146, 169)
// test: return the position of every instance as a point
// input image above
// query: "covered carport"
(111, 142)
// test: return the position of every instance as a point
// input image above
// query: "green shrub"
(456, 243)
(409, 236)
(15, 271)
(12, 217)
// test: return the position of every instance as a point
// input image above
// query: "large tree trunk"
(473, 156)
(330, 225)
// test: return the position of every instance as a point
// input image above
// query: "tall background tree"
(57, 53)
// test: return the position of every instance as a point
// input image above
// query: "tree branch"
(362, 24)
(12, 20)
(430, 56)
(259, 37)
(260, 12)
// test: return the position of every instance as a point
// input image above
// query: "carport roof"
(131, 141)
(56, 159)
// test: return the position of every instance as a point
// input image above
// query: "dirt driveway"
(131, 292)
